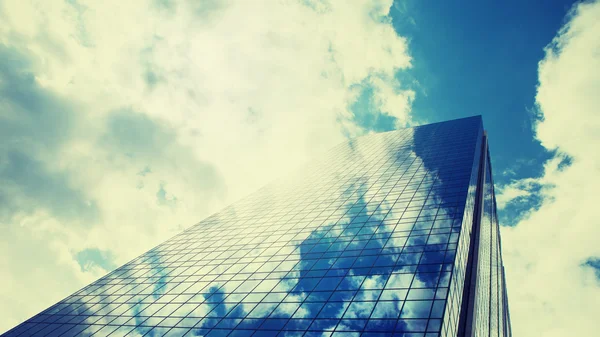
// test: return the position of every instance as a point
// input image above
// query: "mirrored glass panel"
(365, 241)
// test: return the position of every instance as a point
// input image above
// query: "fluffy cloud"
(122, 122)
(517, 190)
(553, 287)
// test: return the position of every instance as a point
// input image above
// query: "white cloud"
(550, 292)
(124, 121)
(516, 190)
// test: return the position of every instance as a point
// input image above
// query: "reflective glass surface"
(491, 308)
(365, 241)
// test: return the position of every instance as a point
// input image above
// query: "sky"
(121, 123)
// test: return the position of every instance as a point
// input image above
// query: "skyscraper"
(389, 234)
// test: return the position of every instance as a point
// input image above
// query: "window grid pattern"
(365, 241)
(452, 313)
(490, 303)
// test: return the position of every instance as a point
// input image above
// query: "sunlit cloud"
(117, 130)
(553, 291)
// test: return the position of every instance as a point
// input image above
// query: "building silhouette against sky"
(389, 234)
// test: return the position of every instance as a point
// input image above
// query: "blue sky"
(481, 58)
(116, 131)
(478, 59)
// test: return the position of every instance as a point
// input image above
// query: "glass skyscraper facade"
(389, 234)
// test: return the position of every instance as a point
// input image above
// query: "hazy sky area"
(123, 122)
